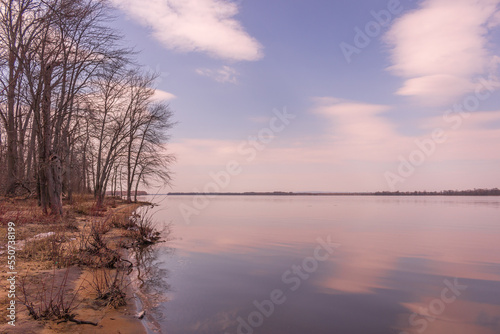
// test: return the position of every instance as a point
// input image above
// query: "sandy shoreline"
(122, 320)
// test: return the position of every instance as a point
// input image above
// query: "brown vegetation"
(71, 264)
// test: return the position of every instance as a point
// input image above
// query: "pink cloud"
(206, 26)
(440, 48)
(353, 155)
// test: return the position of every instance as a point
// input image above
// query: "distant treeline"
(474, 192)
(124, 193)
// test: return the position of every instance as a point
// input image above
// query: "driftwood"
(79, 322)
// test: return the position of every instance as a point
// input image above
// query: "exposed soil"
(52, 262)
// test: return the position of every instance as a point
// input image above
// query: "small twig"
(83, 322)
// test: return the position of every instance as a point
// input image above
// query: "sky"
(321, 95)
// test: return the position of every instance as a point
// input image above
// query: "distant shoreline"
(475, 192)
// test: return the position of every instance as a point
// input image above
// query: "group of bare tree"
(77, 114)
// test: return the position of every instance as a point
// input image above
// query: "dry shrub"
(93, 239)
(93, 246)
(110, 285)
(122, 221)
(143, 229)
(49, 298)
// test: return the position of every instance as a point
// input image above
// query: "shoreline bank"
(79, 278)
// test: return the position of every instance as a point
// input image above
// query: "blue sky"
(361, 125)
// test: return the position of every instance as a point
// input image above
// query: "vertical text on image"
(11, 265)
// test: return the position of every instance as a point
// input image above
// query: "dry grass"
(88, 236)
(122, 221)
(23, 212)
(55, 249)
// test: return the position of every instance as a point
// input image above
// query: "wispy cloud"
(196, 26)
(352, 155)
(223, 74)
(441, 48)
(161, 95)
(358, 129)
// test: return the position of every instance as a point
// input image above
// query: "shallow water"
(348, 265)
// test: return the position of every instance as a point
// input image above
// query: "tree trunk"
(50, 171)
(11, 128)
(130, 176)
(30, 163)
(137, 186)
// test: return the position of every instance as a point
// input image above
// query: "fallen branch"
(79, 322)
(83, 322)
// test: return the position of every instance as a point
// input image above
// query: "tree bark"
(50, 171)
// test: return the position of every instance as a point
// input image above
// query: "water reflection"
(151, 281)
(386, 277)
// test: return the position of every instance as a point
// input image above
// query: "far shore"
(475, 192)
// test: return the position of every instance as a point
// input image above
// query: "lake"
(321, 264)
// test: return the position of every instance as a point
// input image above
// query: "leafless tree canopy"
(76, 114)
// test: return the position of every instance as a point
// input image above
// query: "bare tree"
(109, 124)
(70, 49)
(73, 110)
(17, 28)
(152, 163)
(148, 122)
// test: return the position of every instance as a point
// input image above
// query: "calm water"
(348, 265)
